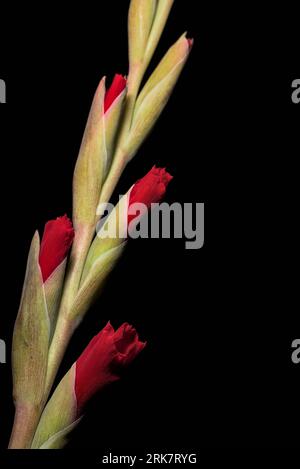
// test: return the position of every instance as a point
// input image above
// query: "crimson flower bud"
(150, 189)
(101, 362)
(115, 89)
(56, 242)
(96, 153)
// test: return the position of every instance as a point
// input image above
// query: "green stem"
(83, 237)
(63, 333)
(135, 77)
(65, 325)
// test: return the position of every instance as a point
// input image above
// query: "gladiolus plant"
(67, 269)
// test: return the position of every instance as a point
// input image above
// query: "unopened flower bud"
(101, 364)
(156, 93)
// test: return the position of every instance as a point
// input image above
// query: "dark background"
(219, 322)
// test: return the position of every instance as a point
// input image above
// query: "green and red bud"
(101, 364)
(56, 242)
(96, 151)
(156, 93)
(35, 323)
(30, 351)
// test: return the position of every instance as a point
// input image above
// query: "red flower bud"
(56, 242)
(116, 88)
(150, 189)
(101, 362)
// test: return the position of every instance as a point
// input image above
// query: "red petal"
(116, 88)
(128, 344)
(96, 367)
(150, 189)
(56, 242)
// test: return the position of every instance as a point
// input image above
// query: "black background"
(219, 322)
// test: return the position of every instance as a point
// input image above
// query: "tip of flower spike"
(115, 89)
